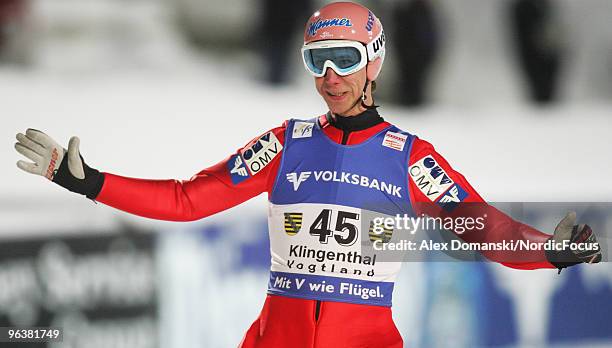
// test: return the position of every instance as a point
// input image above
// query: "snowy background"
(122, 76)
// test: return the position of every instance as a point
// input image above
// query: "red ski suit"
(293, 322)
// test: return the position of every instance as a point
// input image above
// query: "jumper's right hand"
(64, 167)
(47, 154)
(38, 147)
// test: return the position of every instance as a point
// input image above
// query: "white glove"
(64, 167)
(47, 154)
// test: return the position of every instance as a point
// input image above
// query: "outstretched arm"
(206, 193)
(440, 191)
(243, 175)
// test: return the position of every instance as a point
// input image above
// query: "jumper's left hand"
(581, 239)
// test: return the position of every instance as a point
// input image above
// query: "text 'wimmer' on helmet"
(353, 22)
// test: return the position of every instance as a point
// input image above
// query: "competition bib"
(317, 253)
(321, 215)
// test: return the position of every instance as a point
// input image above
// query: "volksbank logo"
(343, 177)
(452, 197)
(456, 194)
(238, 167)
(237, 170)
(297, 180)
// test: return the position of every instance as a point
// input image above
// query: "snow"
(146, 105)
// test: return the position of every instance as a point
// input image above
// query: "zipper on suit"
(345, 135)
(317, 310)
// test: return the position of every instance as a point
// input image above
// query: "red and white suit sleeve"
(498, 226)
(208, 192)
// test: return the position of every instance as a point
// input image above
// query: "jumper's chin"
(344, 107)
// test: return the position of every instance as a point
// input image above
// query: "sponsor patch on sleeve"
(237, 169)
(395, 141)
(302, 130)
(258, 155)
(455, 195)
(430, 178)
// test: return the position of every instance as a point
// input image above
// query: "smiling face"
(343, 93)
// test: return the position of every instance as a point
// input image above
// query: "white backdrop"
(149, 107)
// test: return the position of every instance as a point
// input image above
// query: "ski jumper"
(326, 180)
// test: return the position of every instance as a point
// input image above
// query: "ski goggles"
(343, 56)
